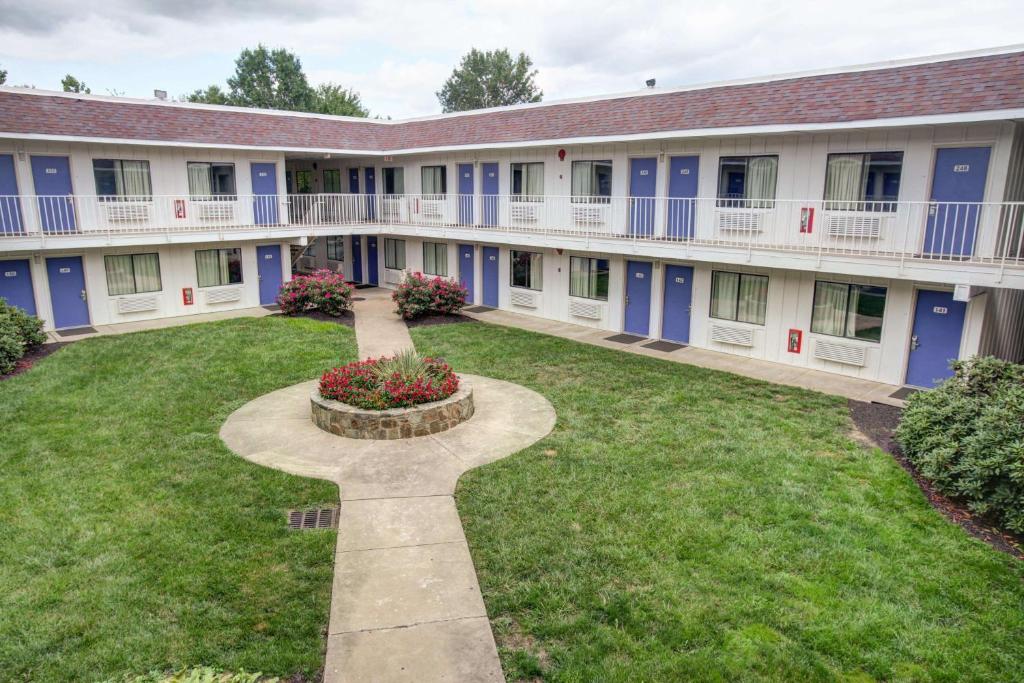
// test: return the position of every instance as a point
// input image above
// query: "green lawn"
(684, 524)
(132, 539)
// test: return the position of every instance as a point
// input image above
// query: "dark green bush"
(967, 436)
(19, 332)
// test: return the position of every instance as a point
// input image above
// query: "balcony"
(956, 236)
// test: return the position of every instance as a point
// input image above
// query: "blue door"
(682, 191)
(489, 190)
(490, 275)
(371, 191)
(675, 317)
(353, 181)
(643, 185)
(10, 207)
(371, 258)
(16, 285)
(938, 327)
(638, 297)
(268, 267)
(957, 186)
(264, 194)
(466, 195)
(357, 258)
(52, 179)
(67, 291)
(466, 270)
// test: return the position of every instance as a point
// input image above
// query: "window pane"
(732, 178)
(829, 313)
(434, 180)
(332, 181)
(134, 179)
(603, 178)
(724, 295)
(579, 276)
(199, 179)
(867, 308)
(304, 182)
(843, 181)
(231, 260)
(592, 178)
(222, 179)
(336, 248)
(394, 180)
(435, 258)
(882, 180)
(753, 299)
(106, 182)
(207, 268)
(526, 270)
(147, 272)
(119, 275)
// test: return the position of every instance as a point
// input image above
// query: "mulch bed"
(348, 318)
(428, 320)
(33, 357)
(878, 422)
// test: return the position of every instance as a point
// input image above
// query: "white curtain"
(119, 275)
(753, 299)
(534, 183)
(212, 267)
(843, 181)
(435, 258)
(830, 305)
(581, 179)
(724, 289)
(147, 272)
(133, 181)
(761, 176)
(536, 270)
(433, 183)
(199, 180)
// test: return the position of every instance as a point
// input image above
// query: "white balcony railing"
(944, 232)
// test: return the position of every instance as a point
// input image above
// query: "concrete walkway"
(406, 604)
(779, 373)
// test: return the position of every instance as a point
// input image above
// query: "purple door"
(675, 318)
(466, 195)
(682, 192)
(10, 206)
(958, 186)
(489, 190)
(490, 276)
(371, 259)
(371, 191)
(268, 266)
(467, 270)
(67, 291)
(264, 194)
(16, 285)
(52, 179)
(938, 327)
(357, 258)
(638, 297)
(643, 185)
(353, 181)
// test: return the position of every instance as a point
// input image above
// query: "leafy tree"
(72, 84)
(3, 76)
(331, 98)
(490, 79)
(211, 95)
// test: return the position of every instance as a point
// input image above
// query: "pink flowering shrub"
(419, 295)
(322, 291)
(390, 382)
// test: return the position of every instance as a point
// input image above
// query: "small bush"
(967, 436)
(419, 295)
(390, 382)
(199, 675)
(19, 332)
(322, 291)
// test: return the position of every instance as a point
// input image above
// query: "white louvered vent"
(837, 352)
(126, 212)
(214, 211)
(137, 304)
(853, 225)
(523, 212)
(588, 214)
(584, 309)
(740, 221)
(431, 208)
(221, 296)
(392, 277)
(525, 299)
(737, 336)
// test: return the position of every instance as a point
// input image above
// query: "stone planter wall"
(396, 423)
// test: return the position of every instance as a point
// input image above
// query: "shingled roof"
(956, 86)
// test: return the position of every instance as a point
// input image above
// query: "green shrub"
(19, 332)
(199, 675)
(322, 291)
(967, 437)
(419, 295)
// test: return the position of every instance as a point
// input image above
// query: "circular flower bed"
(401, 381)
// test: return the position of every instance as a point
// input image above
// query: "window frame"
(231, 196)
(334, 173)
(135, 279)
(118, 168)
(241, 267)
(390, 174)
(391, 264)
(436, 246)
(883, 205)
(739, 290)
(591, 262)
(599, 198)
(846, 314)
(512, 269)
(746, 202)
(444, 181)
(524, 175)
(333, 251)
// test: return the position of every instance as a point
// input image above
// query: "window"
(527, 182)
(336, 248)
(739, 296)
(435, 258)
(435, 180)
(394, 254)
(747, 182)
(592, 181)
(132, 273)
(332, 181)
(844, 310)
(526, 270)
(394, 180)
(588, 277)
(211, 181)
(304, 182)
(863, 182)
(118, 179)
(219, 267)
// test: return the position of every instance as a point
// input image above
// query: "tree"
(72, 84)
(489, 79)
(212, 95)
(3, 76)
(331, 98)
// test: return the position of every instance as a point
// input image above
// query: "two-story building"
(865, 221)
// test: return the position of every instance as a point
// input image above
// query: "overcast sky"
(397, 54)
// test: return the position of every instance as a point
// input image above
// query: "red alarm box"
(794, 341)
(186, 296)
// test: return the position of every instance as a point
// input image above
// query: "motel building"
(864, 221)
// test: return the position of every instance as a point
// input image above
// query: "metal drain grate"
(314, 518)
